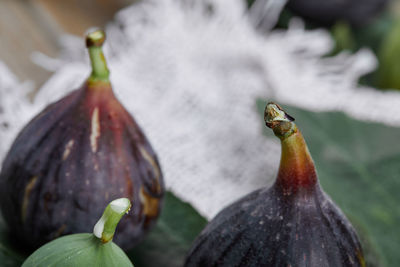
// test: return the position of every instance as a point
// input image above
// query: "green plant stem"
(94, 43)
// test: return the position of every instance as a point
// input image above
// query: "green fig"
(86, 249)
(292, 224)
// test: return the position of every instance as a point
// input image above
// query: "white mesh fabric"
(191, 80)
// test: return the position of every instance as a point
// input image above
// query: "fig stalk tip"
(95, 37)
(279, 121)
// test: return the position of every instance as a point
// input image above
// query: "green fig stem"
(105, 227)
(94, 43)
(297, 167)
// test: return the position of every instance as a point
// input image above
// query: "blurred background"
(196, 75)
(28, 26)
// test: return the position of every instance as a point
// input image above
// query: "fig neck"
(98, 86)
(296, 168)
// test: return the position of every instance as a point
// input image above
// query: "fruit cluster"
(85, 150)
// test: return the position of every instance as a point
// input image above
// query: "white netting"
(15, 107)
(191, 78)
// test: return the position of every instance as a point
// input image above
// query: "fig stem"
(296, 167)
(105, 227)
(94, 43)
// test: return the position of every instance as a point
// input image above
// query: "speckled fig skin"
(293, 223)
(69, 162)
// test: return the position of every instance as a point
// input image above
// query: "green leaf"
(169, 241)
(389, 67)
(343, 36)
(358, 165)
(166, 245)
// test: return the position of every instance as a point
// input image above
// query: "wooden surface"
(35, 25)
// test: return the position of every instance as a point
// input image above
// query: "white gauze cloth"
(191, 75)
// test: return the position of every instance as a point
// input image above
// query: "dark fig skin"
(71, 160)
(328, 12)
(293, 223)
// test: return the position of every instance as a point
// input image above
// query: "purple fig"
(293, 223)
(73, 158)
